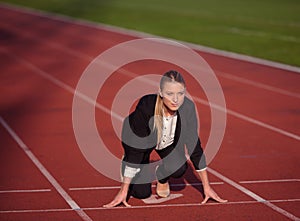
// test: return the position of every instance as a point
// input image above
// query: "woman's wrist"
(204, 179)
(206, 186)
(125, 184)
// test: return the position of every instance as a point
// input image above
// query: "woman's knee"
(180, 171)
(174, 170)
(140, 191)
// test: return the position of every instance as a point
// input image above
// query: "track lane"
(23, 187)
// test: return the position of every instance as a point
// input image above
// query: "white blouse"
(167, 138)
(168, 132)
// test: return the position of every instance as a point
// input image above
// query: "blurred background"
(268, 29)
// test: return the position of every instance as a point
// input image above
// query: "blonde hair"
(170, 76)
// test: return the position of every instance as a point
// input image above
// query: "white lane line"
(45, 172)
(26, 191)
(139, 34)
(248, 32)
(117, 116)
(257, 84)
(253, 195)
(270, 181)
(153, 186)
(151, 206)
(248, 119)
(195, 184)
(35, 211)
(186, 184)
(193, 204)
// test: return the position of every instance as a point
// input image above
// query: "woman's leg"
(162, 172)
(140, 191)
(174, 165)
(140, 186)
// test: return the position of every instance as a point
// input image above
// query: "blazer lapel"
(178, 129)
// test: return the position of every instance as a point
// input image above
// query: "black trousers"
(174, 166)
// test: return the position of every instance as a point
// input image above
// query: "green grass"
(268, 29)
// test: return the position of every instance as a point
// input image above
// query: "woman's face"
(172, 94)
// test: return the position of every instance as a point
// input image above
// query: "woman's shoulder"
(188, 106)
(148, 99)
(147, 102)
(188, 103)
(187, 109)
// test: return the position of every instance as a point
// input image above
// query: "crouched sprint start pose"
(167, 123)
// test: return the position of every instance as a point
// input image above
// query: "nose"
(175, 98)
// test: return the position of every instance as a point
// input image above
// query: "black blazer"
(139, 138)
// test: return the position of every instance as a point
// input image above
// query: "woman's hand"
(210, 193)
(120, 198)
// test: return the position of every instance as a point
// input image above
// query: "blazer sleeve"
(136, 132)
(193, 142)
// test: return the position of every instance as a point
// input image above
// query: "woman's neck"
(167, 112)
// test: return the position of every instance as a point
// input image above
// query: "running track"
(44, 176)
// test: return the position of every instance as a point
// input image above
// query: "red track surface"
(41, 56)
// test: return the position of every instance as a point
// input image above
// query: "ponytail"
(158, 117)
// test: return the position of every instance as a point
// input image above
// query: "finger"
(205, 200)
(111, 204)
(107, 205)
(219, 199)
(126, 204)
(222, 201)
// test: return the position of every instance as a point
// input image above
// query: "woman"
(166, 123)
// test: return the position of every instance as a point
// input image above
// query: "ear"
(160, 93)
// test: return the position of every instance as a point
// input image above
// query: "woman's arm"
(121, 196)
(135, 133)
(208, 191)
(196, 152)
